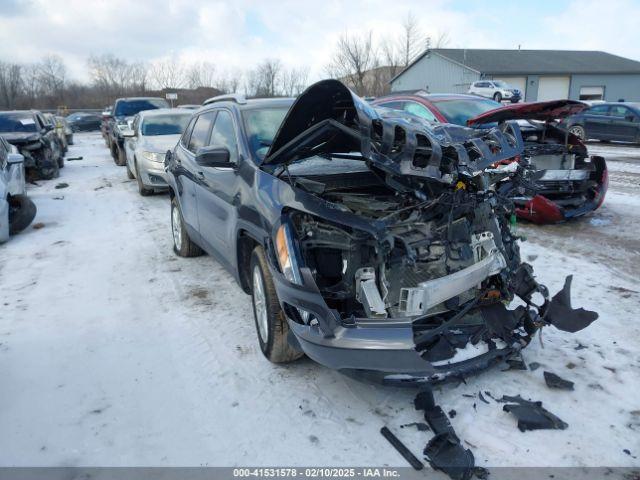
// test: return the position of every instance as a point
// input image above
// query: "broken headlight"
(154, 156)
(286, 254)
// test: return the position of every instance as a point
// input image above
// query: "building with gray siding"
(540, 74)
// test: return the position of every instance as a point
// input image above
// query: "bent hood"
(20, 138)
(544, 111)
(329, 119)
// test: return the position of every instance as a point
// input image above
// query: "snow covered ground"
(115, 352)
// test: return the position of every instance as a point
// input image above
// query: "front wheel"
(144, 191)
(182, 244)
(22, 211)
(497, 97)
(578, 131)
(271, 324)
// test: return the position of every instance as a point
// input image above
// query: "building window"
(591, 93)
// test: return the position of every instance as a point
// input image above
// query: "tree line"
(365, 62)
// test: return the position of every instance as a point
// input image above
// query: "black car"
(84, 122)
(36, 140)
(607, 121)
(370, 240)
(124, 109)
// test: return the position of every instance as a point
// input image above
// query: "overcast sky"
(239, 33)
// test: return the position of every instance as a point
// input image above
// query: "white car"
(496, 89)
(150, 135)
(17, 211)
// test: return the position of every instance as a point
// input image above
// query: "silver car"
(150, 135)
(16, 209)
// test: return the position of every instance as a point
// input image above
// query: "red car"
(568, 184)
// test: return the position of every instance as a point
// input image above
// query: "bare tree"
(113, 76)
(294, 81)
(412, 41)
(168, 73)
(201, 74)
(353, 58)
(265, 80)
(10, 83)
(440, 40)
(52, 74)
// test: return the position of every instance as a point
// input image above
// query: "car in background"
(66, 128)
(17, 210)
(438, 107)
(498, 90)
(190, 106)
(124, 109)
(152, 134)
(618, 121)
(35, 139)
(84, 121)
(59, 140)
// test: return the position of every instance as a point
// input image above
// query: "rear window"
(458, 111)
(17, 122)
(128, 108)
(164, 124)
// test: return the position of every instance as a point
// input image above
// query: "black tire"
(186, 247)
(130, 175)
(22, 211)
(497, 97)
(144, 191)
(121, 159)
(578, 131)
(60, 162)
(275, 347)
(48, 172)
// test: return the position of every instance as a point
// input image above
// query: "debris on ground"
(515, 363)
(580, 346)
(554, 381)
(481, 397)
(531, 415)
(452, 413)
(444, 451)
(402, 450)
(533, 366)
(38, 225)
(61, 185)
(59, 198)
(563, 316)
(420, 426)
(73, 159)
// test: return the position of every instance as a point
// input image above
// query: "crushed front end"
(402, 265)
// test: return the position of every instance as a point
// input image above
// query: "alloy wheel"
(260, 305)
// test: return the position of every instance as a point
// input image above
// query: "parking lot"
(114, 351)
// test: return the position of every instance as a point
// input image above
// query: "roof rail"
(229, 97)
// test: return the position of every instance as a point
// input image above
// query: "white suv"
(496, 89)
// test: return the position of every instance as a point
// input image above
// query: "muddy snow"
(113, 351)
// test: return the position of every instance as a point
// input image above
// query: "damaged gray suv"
(372, 241)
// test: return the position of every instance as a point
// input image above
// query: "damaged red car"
(568, 182)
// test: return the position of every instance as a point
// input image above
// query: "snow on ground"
(113, 351)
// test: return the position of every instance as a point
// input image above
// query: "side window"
(419, 110)
(599, 110)
(224, 135)
(393, 105)
(4, 150)
(186, 136)
(136, 124)
(200, 133)
(620, 111)
(40, 122)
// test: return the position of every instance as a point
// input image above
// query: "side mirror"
(213, 157)
(14, 158)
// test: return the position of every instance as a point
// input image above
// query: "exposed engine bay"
(421, 231)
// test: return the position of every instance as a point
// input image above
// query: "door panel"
(622, 127)
(597, 121)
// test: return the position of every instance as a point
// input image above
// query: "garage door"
(516, 82)
(553, 88)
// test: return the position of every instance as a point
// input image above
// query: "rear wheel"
(578, 131)
(182, 244)
(497, 97)
(271, 324)
(22, 211)
(121, 158)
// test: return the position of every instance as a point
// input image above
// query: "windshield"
(17, 122)
(500, 84)
(460, 110)
(164, 124)
(128, 108)
(262, 125)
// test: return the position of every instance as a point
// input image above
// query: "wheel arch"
(245, 244)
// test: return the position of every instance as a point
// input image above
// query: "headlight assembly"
(286, 254)
(154, 156)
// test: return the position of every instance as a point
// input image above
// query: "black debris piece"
(61, 185)
(402, 450)
(72, 159)
(580, 346)
(452, 413)
(488, 394)
(481, 397)
(515, 363)
(469, 395)
(533, 366)
(421, 426)
(627, 451)
(554, 381)
(561, 315)
(531, 415)
(446, 454)
(444, 450)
